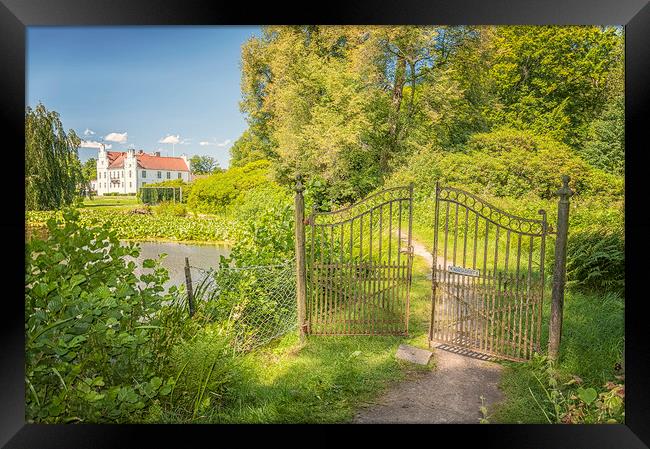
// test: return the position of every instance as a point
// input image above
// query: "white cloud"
(89, 132)
(93, 144)
(116, 137)
(171, 139)
(205, 143)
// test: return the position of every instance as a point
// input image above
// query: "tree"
(248, 148)
(203, 165)
(52, 168)
(90, 169)
(553, 80)
(89, 172)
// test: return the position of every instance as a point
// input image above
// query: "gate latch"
(407, 250)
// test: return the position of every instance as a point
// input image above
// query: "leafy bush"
(268, 240)
(171, 208)
(507, 163)
(256, 201)
(212, 195)
(96, 334)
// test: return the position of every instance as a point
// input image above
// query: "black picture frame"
(16, 15)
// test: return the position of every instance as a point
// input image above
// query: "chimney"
(140, 152)
(157, 153)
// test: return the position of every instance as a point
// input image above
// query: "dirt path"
(451, 393)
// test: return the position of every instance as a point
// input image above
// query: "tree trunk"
(396, 103)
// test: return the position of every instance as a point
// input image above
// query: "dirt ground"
(451, 393)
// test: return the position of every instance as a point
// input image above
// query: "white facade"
(127, 176)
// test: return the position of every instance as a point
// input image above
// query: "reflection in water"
(202, 256)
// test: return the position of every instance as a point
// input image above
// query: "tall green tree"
(203, 165)
(552, 79)
(90, 169)
(53, 172)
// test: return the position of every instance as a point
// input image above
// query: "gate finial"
(299, 187)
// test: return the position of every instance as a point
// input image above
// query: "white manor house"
(126, 171)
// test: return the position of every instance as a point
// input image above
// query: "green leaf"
(587, 395)
(148, 263)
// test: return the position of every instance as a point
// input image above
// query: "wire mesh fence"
(155, 195)
(257, 303)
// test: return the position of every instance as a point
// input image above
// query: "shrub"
(171, 208)
(212, 195)
(97, 335)
(508, 163)
(569, 402)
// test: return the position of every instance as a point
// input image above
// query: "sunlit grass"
(326, 379)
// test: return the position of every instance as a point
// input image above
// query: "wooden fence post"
(559, 270)
(188, 284)
(301, 273)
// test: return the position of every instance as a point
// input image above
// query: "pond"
(203, 256)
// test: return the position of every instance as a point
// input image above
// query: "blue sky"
(135, 86)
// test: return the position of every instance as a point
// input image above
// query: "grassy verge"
(322, 381)
(592, 345)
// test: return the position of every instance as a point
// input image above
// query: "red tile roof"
(147, 161)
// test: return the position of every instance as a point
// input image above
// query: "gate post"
(301, 273)
(188, 284)
(559, 270)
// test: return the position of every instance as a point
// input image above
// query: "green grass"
(109, 202)
(323, 380)
(592, 344)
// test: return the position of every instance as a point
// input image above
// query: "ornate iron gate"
(359, 262)
(487, 277)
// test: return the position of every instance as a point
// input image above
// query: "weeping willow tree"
(52, 167)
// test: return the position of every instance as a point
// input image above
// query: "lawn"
(107, 202)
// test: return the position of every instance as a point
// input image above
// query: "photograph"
(325, 224)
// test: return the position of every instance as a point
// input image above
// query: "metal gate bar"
(495, 306)
(360, 266)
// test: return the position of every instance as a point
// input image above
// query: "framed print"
(409, 213)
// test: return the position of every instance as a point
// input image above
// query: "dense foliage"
(96, 334)
(350, 105)
(129, 224)
(53, 173)
(213, 194)
(202, 165)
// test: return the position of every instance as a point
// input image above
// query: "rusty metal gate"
(359, 262)
(487, 277)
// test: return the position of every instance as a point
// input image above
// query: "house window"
(159, 175)
(169, 175)
(129, 174)
(144, 173)
(180, 176)
(129, 184)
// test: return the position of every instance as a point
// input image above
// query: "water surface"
(203, 256)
